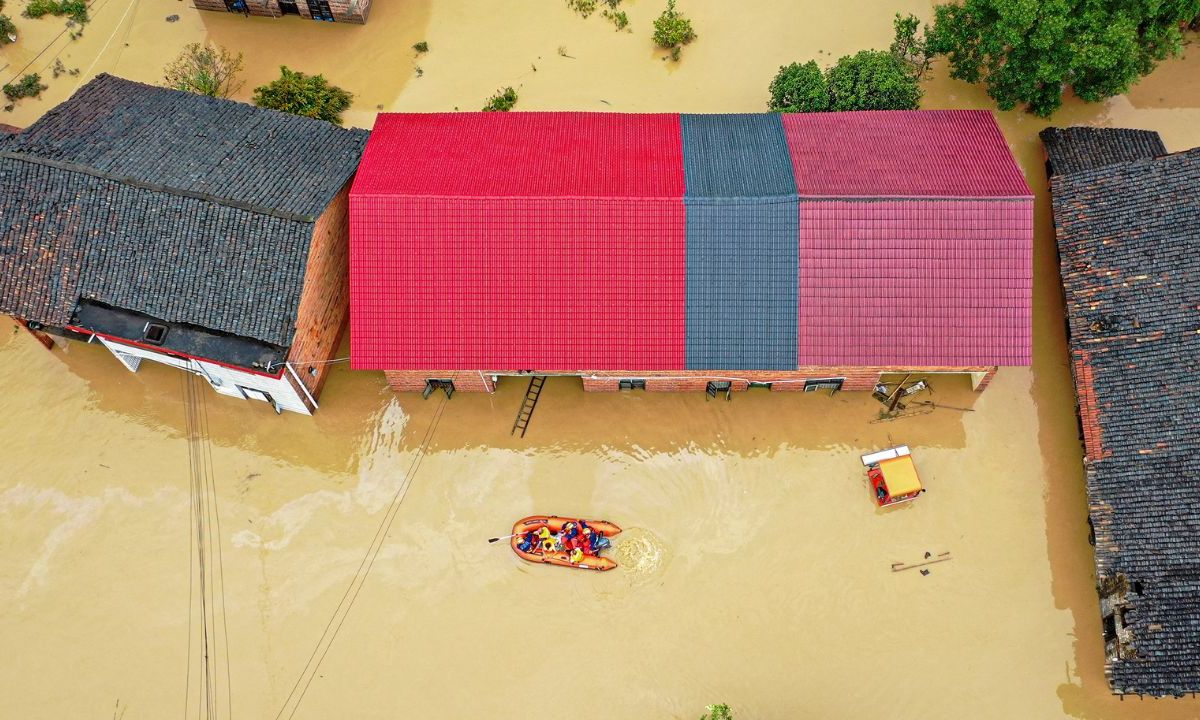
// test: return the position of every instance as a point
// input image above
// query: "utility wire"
(360, 576)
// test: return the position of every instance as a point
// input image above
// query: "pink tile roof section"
(539, 154)
(920, 283)
(898, 153)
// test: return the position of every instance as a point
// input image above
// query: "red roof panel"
(918, 283)
(560, 154)
(902, 153)
(517, 284)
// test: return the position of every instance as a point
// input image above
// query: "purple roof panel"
(902, 153)
(915, 283)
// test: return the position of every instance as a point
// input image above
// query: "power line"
(360, 575)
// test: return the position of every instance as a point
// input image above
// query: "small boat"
(561, 557)
(892, 475)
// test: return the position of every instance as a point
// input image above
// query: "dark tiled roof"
(181, 207)
(229, 150)
(67, 235)
(1074, 149)
(1128, 235)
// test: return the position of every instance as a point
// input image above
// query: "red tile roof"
(898, 153)
(922, 283)
(565, 154)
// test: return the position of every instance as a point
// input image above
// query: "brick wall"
(862, 378)
(347, 11)
(325, 301)
(1087, 407)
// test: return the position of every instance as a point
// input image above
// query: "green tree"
(672, 30)
(799, 88)
(306, 95)
(1028, 52)
(205, 70)
(29, 85)
(872, 80)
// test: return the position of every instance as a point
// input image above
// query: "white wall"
(225, 380)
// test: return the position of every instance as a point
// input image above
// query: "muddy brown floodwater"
(755, 570)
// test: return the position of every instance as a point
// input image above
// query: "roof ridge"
(133, 182)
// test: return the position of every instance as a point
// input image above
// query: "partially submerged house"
(1127, 217)
(201, 233)
(343, 11)
(691, 252)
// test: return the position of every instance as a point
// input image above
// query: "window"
(154, 333)
(719, 386)
(631, 384)
(431, 384)
(831, 384)
(765, 385)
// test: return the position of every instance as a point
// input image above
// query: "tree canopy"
(872, 80)
(1028, 51)
(867, 80)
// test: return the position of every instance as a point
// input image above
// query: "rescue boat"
(561, 557)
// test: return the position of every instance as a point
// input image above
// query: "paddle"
(504, 537)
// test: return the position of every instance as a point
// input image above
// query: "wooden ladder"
(532, 393)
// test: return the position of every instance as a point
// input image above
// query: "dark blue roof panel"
(736, 156)
(742, 276)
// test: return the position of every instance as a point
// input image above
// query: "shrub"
(618, 18)
(583, 7)
(421, 47)
(28, 86)
(205, 70)
(8, 30)
(672, 31)
(38, 8)
(503, 101)
(872, 80)
(306, 95)
(718, 712)
(799, 88)
(75, 9)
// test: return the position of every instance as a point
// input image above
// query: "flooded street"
(755, 569)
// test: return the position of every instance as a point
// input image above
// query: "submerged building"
(691, 252)
(1127, 217)
(343, 11)
(201, 233)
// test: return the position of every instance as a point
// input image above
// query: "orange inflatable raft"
(561, 557)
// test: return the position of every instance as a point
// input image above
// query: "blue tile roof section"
(743, 238)
(736, 156)
(742, 279)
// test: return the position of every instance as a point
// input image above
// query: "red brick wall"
(347, 11)
(1089, 411)
(325, 301)
(676, 380)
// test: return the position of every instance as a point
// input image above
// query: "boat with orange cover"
(555, 524)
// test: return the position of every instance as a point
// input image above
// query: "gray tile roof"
(228, 150)
(184, 208)
(1078, 148)
(1128, 235)
(67, 235)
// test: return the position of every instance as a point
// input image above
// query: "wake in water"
(639, 554)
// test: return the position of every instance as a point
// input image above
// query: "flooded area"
(353, 556)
